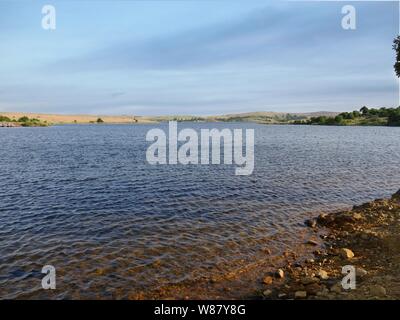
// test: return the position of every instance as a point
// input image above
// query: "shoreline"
(384, 117)
(366, 237)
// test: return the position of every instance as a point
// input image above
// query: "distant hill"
(270, 117)
(283, 114)
(258, 117)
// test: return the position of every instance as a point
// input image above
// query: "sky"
(196, 57)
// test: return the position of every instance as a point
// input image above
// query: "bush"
(394, 118)
(23, 119)
(4, 119)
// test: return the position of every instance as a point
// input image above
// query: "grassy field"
(78, 119)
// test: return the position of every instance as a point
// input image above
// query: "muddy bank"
(366, 237)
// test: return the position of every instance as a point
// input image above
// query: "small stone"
(280, 273)
(377, 290)
(346, 253)
(323, 292)
(396, 195)
(317, 253)
(323, 274)
(357, 216)
(267, 293)
(267, 280)
(281, 295)
(267, 251)
(322, 216)
(337, 288)
(364, 236)
(312, 223)
(324, 219)
(313, 288)
(312, 242)
(309, 280)
(310, 261)
(300, 294)
(361, 272)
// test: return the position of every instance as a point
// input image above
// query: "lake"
(83, 199)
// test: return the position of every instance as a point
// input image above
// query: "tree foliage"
(396, 47)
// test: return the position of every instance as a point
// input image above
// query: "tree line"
(364, 116)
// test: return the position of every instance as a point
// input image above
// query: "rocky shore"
(366, 238)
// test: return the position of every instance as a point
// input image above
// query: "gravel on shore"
(362, 244)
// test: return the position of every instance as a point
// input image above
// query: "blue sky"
(196, 57)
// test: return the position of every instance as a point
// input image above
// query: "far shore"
(78, 118)
(364, 117)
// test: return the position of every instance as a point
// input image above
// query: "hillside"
(258, 117)
(77, 118)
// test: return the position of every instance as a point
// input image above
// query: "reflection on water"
(83, 199)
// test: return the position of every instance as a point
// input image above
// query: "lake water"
(84, 199)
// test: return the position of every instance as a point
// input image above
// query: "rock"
(300, 294)
(312, 223)
(280, 274)
(267, 280)
(267, 251)
(377, 291)
(322, 216)
(323, 274)
(313, 288)
(318, 253)
(364, 236)
(267, 293)
(310, 261)
(346, 253)
(396, 195)
(312, 242)
(357, 216)
(323, 293)
(309, 280)
(337, 288)
(281, 295)
(361, 272)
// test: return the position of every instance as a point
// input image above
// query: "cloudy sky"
(196, 57)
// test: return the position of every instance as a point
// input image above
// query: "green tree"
(23, 119)
(364, 110)
(396, 47)
(5, 119)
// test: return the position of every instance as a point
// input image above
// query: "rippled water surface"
(83, 198)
